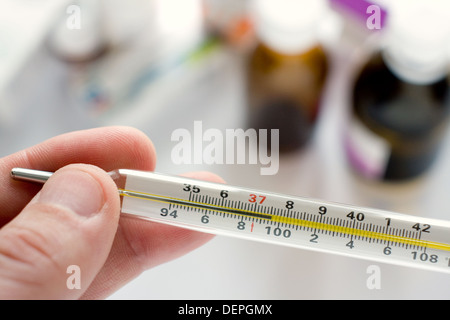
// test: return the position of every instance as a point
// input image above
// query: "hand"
(74, 219)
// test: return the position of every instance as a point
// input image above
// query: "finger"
(71, 222)
(140, 245)
(109, 148)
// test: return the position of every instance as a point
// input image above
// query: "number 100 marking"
(286, 233)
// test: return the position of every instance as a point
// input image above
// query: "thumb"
(55, 247)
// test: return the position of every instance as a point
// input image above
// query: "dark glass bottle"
(400, 108)
(409, 118)
(286, 73)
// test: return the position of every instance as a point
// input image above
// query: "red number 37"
(255, 198)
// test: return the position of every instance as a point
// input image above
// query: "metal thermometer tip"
(30, 175)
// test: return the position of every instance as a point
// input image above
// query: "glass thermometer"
(280, 219)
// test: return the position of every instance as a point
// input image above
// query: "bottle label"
(367, 152)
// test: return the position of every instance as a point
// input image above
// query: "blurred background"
(160, 65)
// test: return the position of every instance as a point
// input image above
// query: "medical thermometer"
(279, 219)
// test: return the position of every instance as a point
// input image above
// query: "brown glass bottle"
(409, 118)
(286, 71)
(284, 93)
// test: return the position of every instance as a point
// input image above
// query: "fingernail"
(74, 189)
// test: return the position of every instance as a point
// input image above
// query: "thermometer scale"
(280, 219)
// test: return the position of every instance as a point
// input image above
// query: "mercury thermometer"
(279, 219)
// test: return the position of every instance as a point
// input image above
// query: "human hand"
(74, 219)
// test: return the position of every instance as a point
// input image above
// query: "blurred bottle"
(89, 29)
(287, 70)
(401, 99)
(78, 35)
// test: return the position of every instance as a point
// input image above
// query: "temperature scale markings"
(194, 204)
(307, 223)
